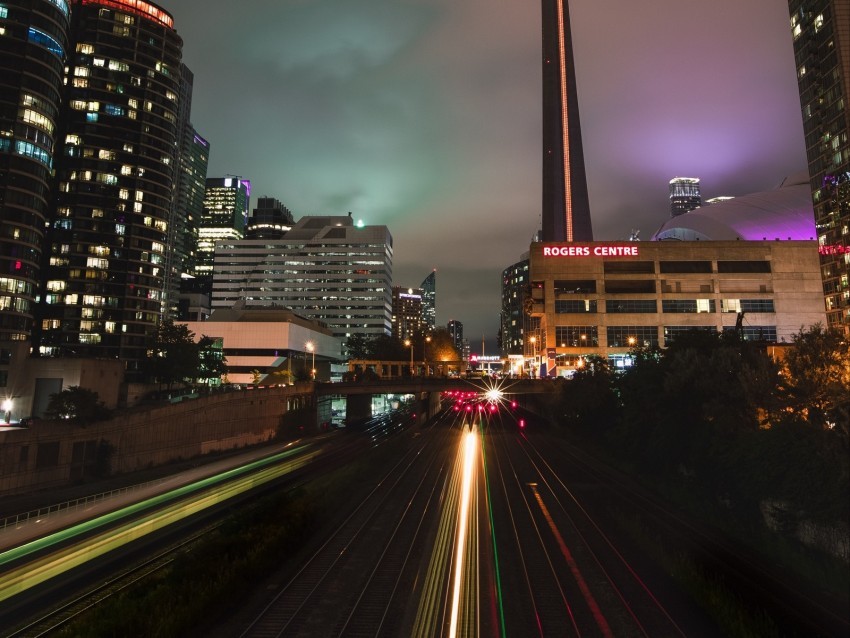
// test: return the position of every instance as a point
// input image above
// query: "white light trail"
(470, 448)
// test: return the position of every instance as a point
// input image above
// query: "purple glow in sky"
(424, 115)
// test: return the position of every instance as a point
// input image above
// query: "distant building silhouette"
(429, 301)
(684, 195)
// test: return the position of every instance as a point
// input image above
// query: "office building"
(269, 220)
(33, 48)
(566, 205)
(226, 204)
(821, 34)
(407, 320)
(684, 195)
(325, 268)
(603, 299)
(105, 248)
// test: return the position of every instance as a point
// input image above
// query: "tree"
(817, 370)
(441, 347)
(79, 404)
(357, 347)
(212, 364)
(174, 356)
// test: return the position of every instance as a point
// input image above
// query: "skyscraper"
(190, 174)
(684, 195)
(821, 33)
(32, 54)
(566, 207)
(226, 204)
(429, 302)
(104, 262)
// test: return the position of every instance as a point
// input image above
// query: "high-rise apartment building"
(325, 268)
(429, 301)
(104, 263)
(821, 33)
(33, 46)
(684, 195)
(407, 313)
(566, 205)
(226, 204)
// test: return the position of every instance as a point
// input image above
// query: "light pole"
(425, 353)
(311, 348)
(408, 342)
(533, 341)
(7, 409)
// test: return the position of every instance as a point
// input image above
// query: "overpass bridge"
(427, 390)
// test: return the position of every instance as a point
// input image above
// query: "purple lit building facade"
(821, 33)
(566, 205)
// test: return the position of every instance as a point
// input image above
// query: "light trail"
(470, 450)
(35, 572)
(601, 622)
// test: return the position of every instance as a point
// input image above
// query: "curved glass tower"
(118, 144)
(32, 54)
(566, 207)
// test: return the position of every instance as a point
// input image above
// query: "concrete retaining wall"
(52, 453)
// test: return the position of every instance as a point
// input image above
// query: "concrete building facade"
(603, 299)
(325, 268)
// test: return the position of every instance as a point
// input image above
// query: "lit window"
(86, 49)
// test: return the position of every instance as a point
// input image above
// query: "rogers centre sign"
(612, 250)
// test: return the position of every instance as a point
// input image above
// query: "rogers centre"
(586, 251)
(601, 299)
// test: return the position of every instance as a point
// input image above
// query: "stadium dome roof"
(785, 213)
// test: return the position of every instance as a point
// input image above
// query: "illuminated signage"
(604, 250)
(139, 7)
(834, 249)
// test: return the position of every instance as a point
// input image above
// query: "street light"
(425, 354)
(533, 341)
(311, 348)
(632, 341)
(7, 408)
(408, 342)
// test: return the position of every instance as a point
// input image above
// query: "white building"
(326, 268)
(257, 343)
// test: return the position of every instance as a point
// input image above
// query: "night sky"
(424, 115)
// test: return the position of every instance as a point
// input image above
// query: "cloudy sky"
(424, 115)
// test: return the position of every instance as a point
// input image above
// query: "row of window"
(650, 306)
(646, 336)
(686, 266)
